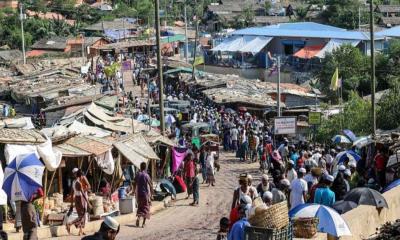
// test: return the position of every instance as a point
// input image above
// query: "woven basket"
(305, 227)
(276, 216)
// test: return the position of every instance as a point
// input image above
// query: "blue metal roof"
(303, 29)
(391, 32)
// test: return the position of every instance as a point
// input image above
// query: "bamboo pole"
(51, 182)
(44, 193)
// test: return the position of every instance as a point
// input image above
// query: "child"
(223, 229)
(195, 188)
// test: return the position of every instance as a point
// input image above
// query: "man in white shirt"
(298, 190)
(284, 150)
(234, 137)
(291, 174)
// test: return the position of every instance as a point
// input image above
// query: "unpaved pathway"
(182, 221)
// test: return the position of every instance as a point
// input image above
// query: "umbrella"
(342, 156)
(340, 139)
(366, 196)
(22, 177)
(362, 141)
(344, 206)
(142, 117)
(392, 185)
(350, 154)
(168, 187)
(329, 220)
(229, 110)
(350, 135)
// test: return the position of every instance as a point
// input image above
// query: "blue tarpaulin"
(303, 29)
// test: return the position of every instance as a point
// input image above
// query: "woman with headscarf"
(80, 201)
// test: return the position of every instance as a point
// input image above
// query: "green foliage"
(301, 12)
(356, 116)
(267, 6)
(388, 113)
(387, 70)
(123, 10)
(353, 70)
(342, 13)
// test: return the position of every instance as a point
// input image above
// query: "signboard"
(285, 125)
(314, 118)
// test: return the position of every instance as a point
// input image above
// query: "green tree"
(388, 113)
(342, 13)
(353, 70)
(355, 116)
(301, 12)
(387, 70)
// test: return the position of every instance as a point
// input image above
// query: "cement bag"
(51, 158)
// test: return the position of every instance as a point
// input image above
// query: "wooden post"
(51, 182)
(153, 169)
(44, 192)
(60, 186)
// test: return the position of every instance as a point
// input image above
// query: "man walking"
(324, 195)
(299, 189)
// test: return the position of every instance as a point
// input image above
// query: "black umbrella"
(366, 196)
(344, 206)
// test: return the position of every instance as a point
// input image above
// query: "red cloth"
(179, 184)
(189, 169)
(268, 148)
(380, 162)
(233, 216)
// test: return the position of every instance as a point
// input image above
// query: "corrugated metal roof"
(303, 29)
(391, 32)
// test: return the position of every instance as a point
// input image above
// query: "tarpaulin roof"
(391, 32)
(21, 136)
(153, 137)
(251, 44)
(308, 52)
(334, 44)
(71, 151)
(88, 130)
(101, 115)
(89, 145)
(303, 29)
(108, 102)
(136, 149)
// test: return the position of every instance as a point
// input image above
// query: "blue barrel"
(122, 192)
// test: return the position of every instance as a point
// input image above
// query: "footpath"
(90, 227)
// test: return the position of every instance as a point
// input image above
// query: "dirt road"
(182, 221)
